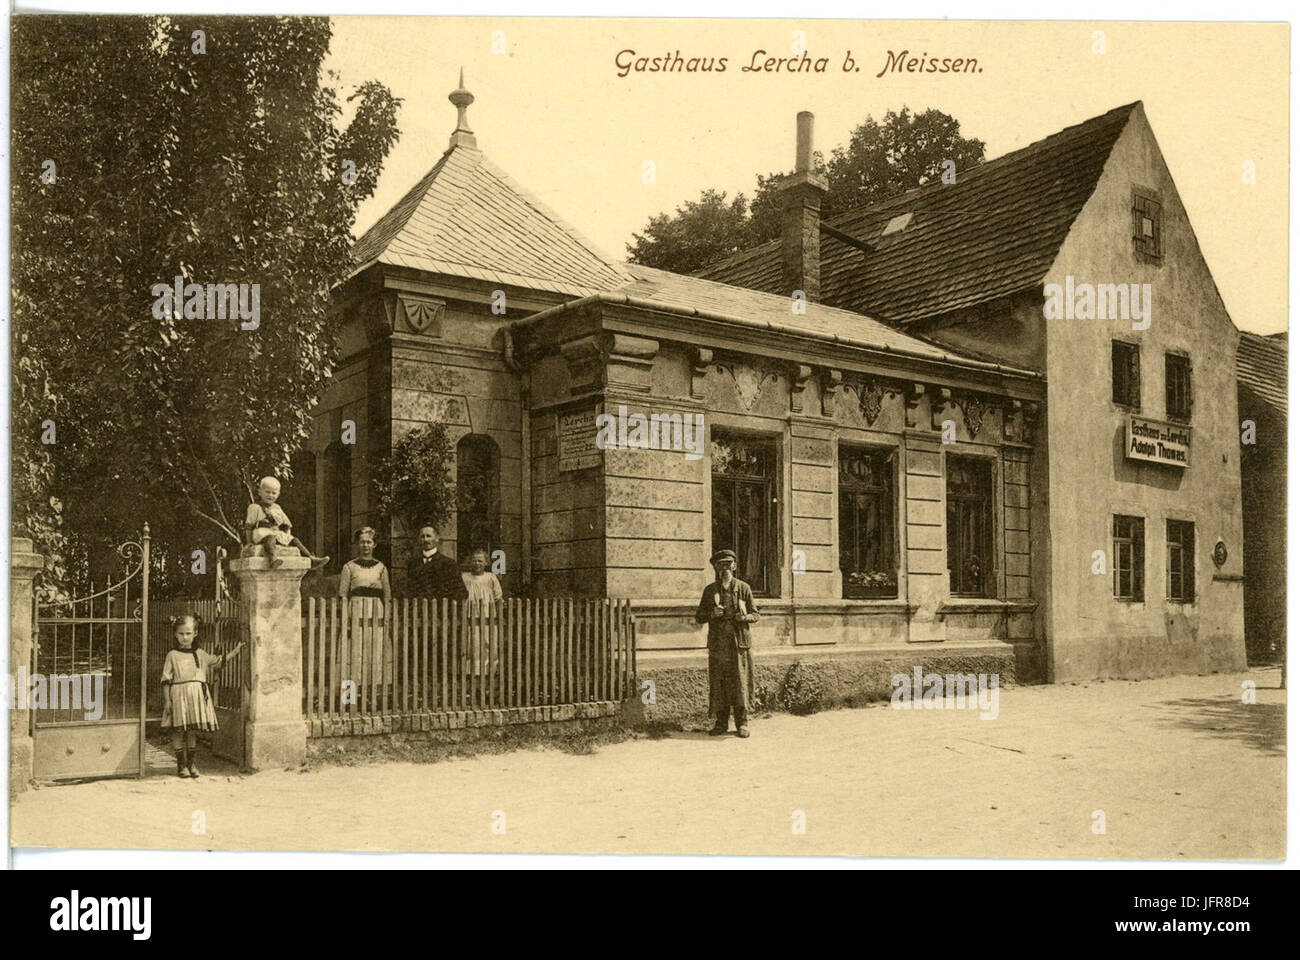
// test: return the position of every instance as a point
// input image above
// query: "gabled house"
(1074, 257)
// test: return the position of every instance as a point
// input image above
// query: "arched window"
(338, 504)
(478, 495)
(299, 498)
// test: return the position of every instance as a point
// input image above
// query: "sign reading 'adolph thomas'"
(1157, 442)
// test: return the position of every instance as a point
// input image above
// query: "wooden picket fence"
(437, 656)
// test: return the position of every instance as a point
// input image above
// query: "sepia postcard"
(785, 438)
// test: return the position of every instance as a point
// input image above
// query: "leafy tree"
(902, 151)
(144, 151)
(697, 233)
(414, 483)
(882, 159)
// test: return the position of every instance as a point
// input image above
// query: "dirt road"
(1180, 768)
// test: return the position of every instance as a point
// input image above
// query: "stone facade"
(636, 523)
(416, 352)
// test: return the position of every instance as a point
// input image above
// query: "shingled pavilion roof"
(467, 218)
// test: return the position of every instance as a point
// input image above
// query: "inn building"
(911, 462)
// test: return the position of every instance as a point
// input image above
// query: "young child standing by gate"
(187, 702)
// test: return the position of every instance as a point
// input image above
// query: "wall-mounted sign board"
(575, 440)
(1158, 442)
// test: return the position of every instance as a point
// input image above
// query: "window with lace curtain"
(745, 471)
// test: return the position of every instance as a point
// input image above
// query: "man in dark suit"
(727, 606)
(432, 573)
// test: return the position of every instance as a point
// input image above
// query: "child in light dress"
(187, 701)
(267, 524)
(484, 591)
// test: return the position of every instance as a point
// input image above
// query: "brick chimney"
(801, 206)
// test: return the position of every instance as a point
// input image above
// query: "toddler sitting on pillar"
(267, 524)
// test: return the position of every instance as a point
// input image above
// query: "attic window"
(1147, 239)
(897, 225)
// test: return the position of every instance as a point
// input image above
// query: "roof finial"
(462, 136)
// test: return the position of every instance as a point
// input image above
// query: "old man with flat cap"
(727, 606)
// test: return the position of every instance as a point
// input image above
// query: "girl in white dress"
(187, 701)
(484, 591)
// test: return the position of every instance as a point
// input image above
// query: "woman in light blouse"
(363, 580)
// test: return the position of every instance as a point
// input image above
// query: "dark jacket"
(738, 612)
(439, 577)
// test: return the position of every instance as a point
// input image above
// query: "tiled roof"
(1261, 367)
(466, 218)
(995, 232)
(651, 288)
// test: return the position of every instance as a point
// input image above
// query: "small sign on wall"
(1158, 442)
(575, 440)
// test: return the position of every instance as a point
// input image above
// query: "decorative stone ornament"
(832, 381)
(378, 317)
(1012, 424)
(1220, 553)
(973, 410)
(799, 376)
(870, 399)
(749, 382)
(940, 398)
(700, 364)
(420, 315)
(913, 396)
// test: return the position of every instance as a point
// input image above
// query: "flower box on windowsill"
(870, 586)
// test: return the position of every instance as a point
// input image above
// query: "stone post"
(24, 564)
(275, 733)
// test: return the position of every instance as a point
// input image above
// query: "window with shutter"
(1146, 228)
(1126, 374)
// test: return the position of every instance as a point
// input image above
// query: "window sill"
(986, 605)
(777, 605)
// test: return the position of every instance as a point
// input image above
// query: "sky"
(552, 110)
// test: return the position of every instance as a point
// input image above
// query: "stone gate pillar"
(275, 733)
(24, 564)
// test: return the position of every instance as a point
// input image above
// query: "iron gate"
(88, 691)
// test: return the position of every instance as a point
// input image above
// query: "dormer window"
(1147, 239)
(897, 225)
